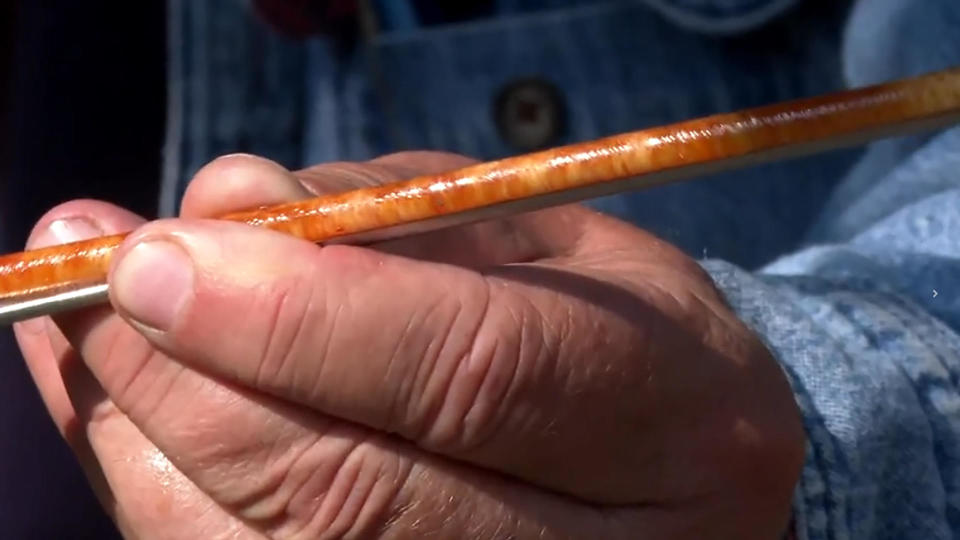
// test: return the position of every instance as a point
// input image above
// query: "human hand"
(559, 374)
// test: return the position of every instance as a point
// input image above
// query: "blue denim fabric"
(845, 264)
(866, 320)
(621, 66)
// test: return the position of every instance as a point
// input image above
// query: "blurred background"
(83, 90)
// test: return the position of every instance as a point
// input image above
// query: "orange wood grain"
(763, 133)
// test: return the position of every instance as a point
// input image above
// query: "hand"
(556, 375)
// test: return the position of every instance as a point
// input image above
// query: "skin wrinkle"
(501, 414)
(317, 520)
(424, 422)
(362, 454)
(470, 422)
(467, 367)
(387, 516)
(417, 428)
(314, 394)
(427, 427)
(392, 424)
(265, 505)
(418, 425)
(306, 315)
(474, 437)
(323, 514)
(532, 348)
(265, 486)
(278, 447)
(318, 440)
(311, 512)
(380, 476)
(266, 352)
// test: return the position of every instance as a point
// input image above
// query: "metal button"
(529, 114)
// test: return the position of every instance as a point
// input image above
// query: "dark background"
(82, 111)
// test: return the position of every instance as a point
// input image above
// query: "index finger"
(241, 182)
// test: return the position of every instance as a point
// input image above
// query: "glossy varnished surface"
(80, 263)
(823, 121)
(554, 176)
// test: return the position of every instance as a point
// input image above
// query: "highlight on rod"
(71, 276)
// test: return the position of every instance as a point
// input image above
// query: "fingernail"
(152, 282)
(63, 231)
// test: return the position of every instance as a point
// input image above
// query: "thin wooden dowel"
(73, 275)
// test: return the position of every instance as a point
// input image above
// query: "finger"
(240, 182)
(51, 361)
(415, 162)
(359, 479)
(288, 472)
(67, 388)
(509, 375)
(89, 421)
(54, 368)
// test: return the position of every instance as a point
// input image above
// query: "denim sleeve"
(867, 335)
(866, 320)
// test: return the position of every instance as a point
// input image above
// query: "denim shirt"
(846, 264)
(620, 66)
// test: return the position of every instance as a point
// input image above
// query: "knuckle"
(422, 363)
(288, 310)
(517, 358)
(424, 161)
(233, 163)
(480, 395)
(344, 175)
(325, 490)
(234, 168)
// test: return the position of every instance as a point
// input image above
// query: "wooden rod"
(54, 278)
